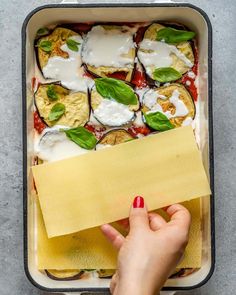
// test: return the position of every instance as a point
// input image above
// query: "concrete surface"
(12, 277)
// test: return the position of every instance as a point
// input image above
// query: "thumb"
(138, 218)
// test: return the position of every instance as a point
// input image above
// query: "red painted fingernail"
(138, 202)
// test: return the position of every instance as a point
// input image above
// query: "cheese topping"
(54, 146)
(112, 113)
(100, 146)
(107, 48)
(150, 100)
(187, 121)
(158, 54)
(68, 70)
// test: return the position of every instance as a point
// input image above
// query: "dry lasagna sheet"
(96, 188)
(89, 249)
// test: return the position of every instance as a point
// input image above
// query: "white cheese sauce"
(191, 74)
(112, 113)
(107, 48)
(139, 119)
(68, 70)
(150, 100)
(54, 145)
(100, 146)
(159, 55)
(187, 121)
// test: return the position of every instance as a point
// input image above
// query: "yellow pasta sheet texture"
(96, 188)
(89, 249)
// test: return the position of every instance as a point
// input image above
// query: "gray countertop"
(12, 277)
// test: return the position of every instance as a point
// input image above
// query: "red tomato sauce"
(39, 125)
(135, 130)
(81, 27)
(118, 75)
(139, 79)
(98, 131)
(186, 79)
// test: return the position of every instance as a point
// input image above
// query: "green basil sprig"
(72, 44)
(45, 45)
(42, 31)
(173, 36)
(158, 121)
(82, 137)
(51, 93)
(166, 75)
(115, 89)
(56, 112)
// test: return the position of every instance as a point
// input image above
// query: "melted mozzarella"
(112, 113)
(180, 108)
(158, 54)
(68, 70)
(187, 121)
(139, 119)
(54, 146)
(100, 146)
(107, 48)
(150, 100)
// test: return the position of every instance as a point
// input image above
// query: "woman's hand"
(151, 250)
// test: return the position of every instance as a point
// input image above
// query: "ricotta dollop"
(108, 48)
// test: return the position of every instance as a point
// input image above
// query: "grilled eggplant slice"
(114, 137)
(76, 105)
(181, 63)
(64, 275)
(54, 41)
(110, 112)
(54, 145)
(174, 101)
(105, 273)
(106, 34)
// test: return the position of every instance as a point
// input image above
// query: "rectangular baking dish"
(187, 14)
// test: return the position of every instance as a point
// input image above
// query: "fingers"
(156, 221)
(113, 283)
(179, 215)
(113, 235)
(124, 223)
(138, 218)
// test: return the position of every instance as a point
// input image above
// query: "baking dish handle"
(153, 1)
(85, 293)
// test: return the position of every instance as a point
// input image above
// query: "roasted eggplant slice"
(106, 273)
(50, 45)
(54, 145)
(114, 137)
(76, 105)
(111, 112)
(173, 101)
(109, 51)
(64, 275)
(155, 54)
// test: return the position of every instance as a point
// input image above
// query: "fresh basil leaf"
(166, 75)
(56, 112)
(173, 36)
(82, 137)
(158, 121)
(72, 44)
(42, 31)
(45, 45)
(127, 140)
(115, 89)
(51, 93)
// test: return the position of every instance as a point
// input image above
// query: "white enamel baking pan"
(196, 20)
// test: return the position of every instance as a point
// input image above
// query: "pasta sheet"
(96, 188)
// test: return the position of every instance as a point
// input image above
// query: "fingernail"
(138, 202)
